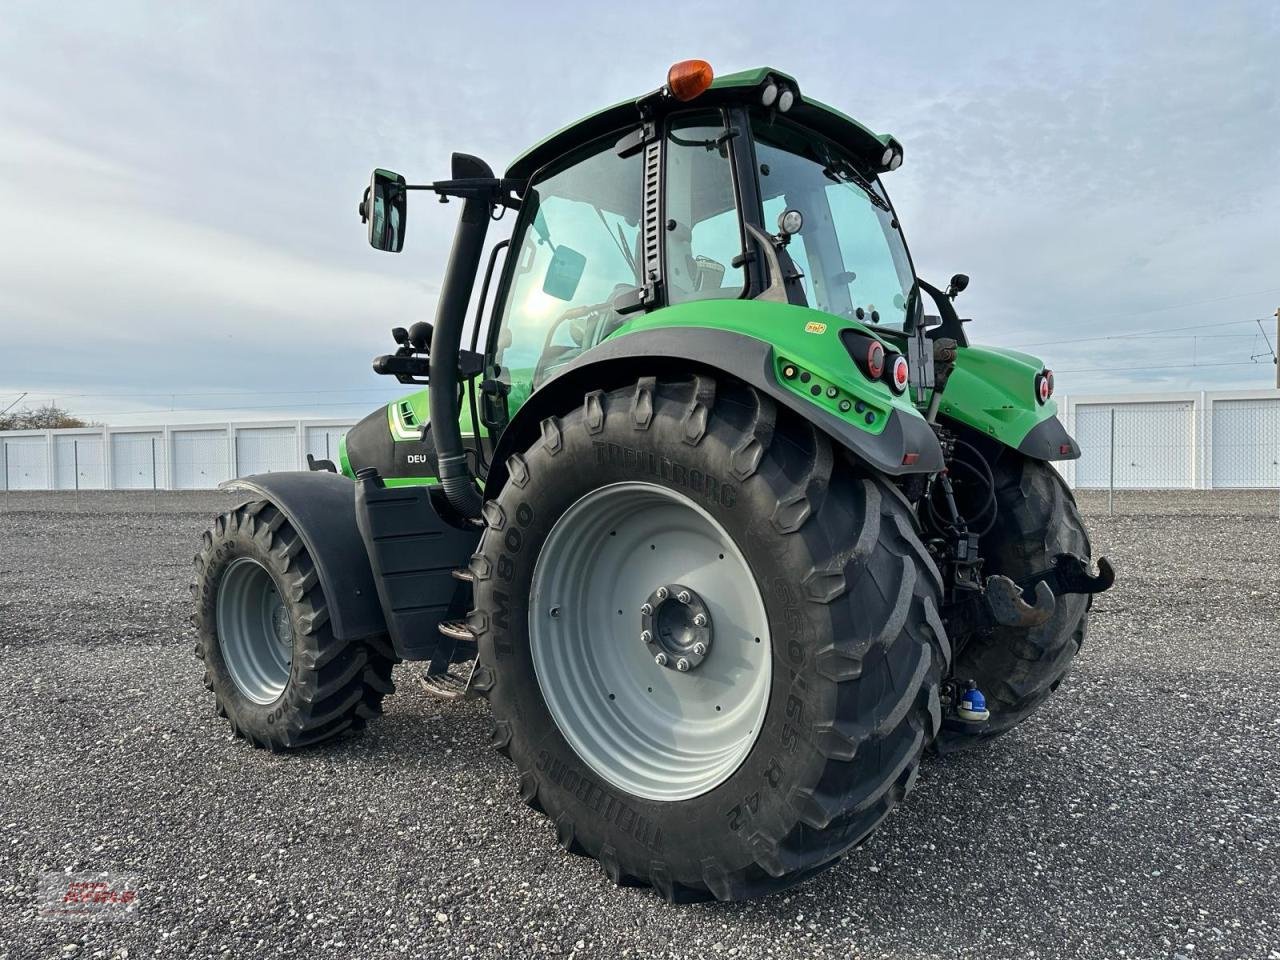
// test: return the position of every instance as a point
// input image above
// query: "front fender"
(321, 507)
(682, 350)
(992, 390)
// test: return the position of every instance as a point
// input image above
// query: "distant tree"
(48, 417)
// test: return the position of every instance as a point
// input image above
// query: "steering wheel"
(587, 327)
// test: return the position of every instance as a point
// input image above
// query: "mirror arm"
(496, 190)
(951, 326)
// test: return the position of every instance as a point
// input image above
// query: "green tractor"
(717, 506)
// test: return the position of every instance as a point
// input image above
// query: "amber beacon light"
(688, 78)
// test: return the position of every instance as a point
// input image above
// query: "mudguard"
(322, 509)
(666, 351)
(992, 390)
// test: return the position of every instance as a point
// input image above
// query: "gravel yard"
(1135, 816)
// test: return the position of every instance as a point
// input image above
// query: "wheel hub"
(676, 626)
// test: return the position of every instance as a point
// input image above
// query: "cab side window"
(703, 232)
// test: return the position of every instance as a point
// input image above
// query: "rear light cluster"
(827, 394)
(1044, 386)
(875, 362)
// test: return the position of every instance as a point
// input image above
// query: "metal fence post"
(1111, 483)
(154, 495)
(75, 448)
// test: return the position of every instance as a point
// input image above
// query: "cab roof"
(732, 88)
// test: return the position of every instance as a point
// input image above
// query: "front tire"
(851, 645)
(276, 670)
(1017, 668)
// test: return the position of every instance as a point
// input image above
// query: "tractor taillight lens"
(689, 78)
(1044, 386)
(875, 360)
(900, 374)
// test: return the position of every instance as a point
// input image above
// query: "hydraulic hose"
(446, 340)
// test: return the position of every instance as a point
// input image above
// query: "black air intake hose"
(446, 340)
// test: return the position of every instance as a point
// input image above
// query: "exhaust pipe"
(446, 340)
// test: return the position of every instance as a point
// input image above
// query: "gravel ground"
(1135, 816)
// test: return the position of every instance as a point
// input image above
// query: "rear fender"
(666, 351)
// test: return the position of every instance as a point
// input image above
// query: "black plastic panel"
(413, 552)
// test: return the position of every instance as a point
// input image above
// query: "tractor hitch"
(1008, 605)
(1032, 600)
(1070, 574)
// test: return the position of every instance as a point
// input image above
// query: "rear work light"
(865, 351)
(1044, 386)
(900, 374)
(875, 360)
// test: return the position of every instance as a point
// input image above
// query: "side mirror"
(383, 209)
(564, 273)
(957, 285)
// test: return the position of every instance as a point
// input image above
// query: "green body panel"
(802, 336)
(993, 390)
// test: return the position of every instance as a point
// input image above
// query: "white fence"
(174, 457)
(1170, 441)
(1175, 441)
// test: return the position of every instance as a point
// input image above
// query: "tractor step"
(457, 630)
(453, 684)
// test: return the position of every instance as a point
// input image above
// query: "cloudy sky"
(178, 182)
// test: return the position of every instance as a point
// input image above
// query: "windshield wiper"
(842, 171)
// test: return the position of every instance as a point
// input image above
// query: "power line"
(1141, 334)
(1185, 303)
(1171, 366)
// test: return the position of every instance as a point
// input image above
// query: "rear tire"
(1017, 668)
(855, 647)
(276, 670)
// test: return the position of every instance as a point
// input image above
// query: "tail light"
(899, 374)
(1044, 386)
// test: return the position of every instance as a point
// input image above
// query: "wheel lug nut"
(646, 608)
(661, 593)
(683, 596)
(646, 637)
(682, 665)
(660, 659)
(700, 649)
(699, 619)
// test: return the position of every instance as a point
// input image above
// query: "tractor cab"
(729, 189)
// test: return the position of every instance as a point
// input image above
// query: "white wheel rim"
(647, 729)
